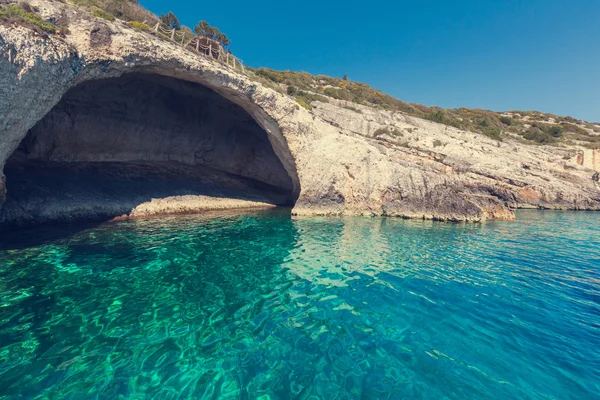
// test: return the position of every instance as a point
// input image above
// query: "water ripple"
(261, 305)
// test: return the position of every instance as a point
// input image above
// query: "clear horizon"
(517, 55)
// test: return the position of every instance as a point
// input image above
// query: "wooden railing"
(195, 44)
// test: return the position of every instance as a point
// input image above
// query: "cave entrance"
(142, 143)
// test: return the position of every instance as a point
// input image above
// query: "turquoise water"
(262, 305)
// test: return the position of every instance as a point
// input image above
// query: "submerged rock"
(86, 98)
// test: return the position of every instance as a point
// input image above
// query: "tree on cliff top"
(204, 29)
(170, 20)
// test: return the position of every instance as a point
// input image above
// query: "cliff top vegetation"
(530, 126)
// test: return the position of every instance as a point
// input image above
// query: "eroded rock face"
(332, 160)
(588, 158)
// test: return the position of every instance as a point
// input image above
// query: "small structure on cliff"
(199, 44)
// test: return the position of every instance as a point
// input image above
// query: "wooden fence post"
(182, 38)
(227, 59)
(156, 28)
(173, 35)
(210, 50)
(198, 45)
(233, 62)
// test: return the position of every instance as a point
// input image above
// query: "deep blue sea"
(262, 305)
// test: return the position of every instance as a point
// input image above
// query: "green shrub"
(14, 14)
(574, 128)
(303, 103)
(556, 131)
(436, 116)
(445, 117)
(386, 131)
(339, 94)
(292, 90)
(492, 133)
(309, 97)
(187, 32)
(539, 136)
(437, 143)
(508, 121)
(585, 138)
(571, 120)
(543, 133)
(140, 26)
(100, 13)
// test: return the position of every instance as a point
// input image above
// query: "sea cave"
(110, 145)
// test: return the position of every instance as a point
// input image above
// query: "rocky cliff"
(144, 119)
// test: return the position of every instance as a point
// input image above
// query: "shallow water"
(262, 304)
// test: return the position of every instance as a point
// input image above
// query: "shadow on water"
(26, 237)
(21, 238)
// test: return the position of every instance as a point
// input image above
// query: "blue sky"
(500, 55)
